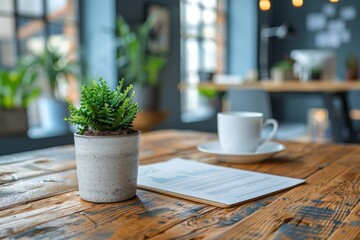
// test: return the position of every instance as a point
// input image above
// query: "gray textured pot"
(107, 167)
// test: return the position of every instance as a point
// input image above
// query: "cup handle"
(273, 132)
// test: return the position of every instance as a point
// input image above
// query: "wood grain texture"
(214, 222)
(313, 210)
(44, 204)
(170, 139)
(37, 188)
(200, 227)
(350, 228)
(219, 220)
(32, 210)
(148, 152)
(31, 168)
(55, 153)
(145, 215)
(17, 219)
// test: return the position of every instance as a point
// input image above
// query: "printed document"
(210, 184)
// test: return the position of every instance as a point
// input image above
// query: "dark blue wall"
(295, 107)
(283, 12)
(242, 36)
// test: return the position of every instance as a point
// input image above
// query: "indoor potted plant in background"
(211, 95)
(17, 91)
(54, 69)
(137, 64)
(106, 146)
(282, 71)
(351, 68)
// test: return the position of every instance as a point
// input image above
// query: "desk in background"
(39, 197)
(328, 90)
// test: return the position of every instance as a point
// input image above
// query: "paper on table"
(210, 184)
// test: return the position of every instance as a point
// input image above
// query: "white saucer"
(263, 152)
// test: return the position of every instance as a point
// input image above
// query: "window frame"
(44, 20)
(202, 108)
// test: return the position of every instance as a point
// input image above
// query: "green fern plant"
(103, 109)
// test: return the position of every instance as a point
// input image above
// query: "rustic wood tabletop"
(39, 198)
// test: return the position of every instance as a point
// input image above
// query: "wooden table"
(327, 90)
(278, 87)
(39, 198)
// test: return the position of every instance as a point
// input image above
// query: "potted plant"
(106, 146)
(351, 68)
(137, 64)
(282, 71)
(55, 69)
(211, 95)
(17, 91)
(315, 73)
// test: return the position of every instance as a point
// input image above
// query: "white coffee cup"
(240, 132)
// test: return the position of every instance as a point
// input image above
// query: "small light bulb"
(334, 1)
(297, 3)
(265, 5)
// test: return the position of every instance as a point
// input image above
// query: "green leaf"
(33, 94)
(104, 109)
(135, 62)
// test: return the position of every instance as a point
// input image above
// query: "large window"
(203, 39)
(27, 25)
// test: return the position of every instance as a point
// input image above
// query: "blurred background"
(49, 48)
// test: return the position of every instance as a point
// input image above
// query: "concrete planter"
(107, 167)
